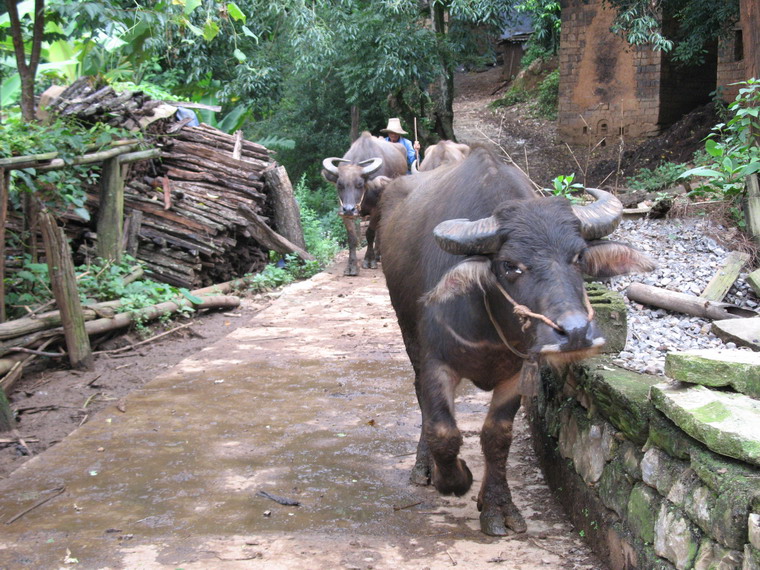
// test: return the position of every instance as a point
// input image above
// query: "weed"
(663, 176)
(733, 149)
(565, 187)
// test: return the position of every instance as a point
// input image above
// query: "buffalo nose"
(348, 209)
(578, 331)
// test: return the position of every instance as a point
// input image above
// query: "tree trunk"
(287, 216)
(27, 71)
(750, 17)
(355, 118)
(64, 284)
(443, 97)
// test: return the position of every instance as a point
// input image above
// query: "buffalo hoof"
(351, 272)
(369, 264)
(455, 480)
(420, 475)
(495, 520)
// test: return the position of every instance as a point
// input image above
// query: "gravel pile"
(687, 258)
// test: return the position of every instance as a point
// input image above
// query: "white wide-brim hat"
(394, 126)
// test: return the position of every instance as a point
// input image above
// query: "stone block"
(676, 538)
(738, 369)
(713, 556)
(621, 396)
(643, 508)
(589, 444)
(631, 456)
(684, 487)
(725, 422)
(615, 487)
(664, 434)
(751, 558)
(611, 316)
(753, 531)
(661, 471)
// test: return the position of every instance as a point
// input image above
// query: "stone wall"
(731, 64)
(644, 492)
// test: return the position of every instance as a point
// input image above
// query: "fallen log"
(684, 303)
(51, 319)
(267, 237)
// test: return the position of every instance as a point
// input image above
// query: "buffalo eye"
(511, 269)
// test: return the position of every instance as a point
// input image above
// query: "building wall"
(607, 87)
(731, 64)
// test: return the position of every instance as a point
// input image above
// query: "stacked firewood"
(182, 209)
(190, 234)
(92, 104)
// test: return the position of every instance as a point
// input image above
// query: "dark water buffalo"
(443, 152)
(360, 177)
(484, 276)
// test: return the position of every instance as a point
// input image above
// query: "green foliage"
(514, 95)
(566, 187)
(693, 24)
(548, 97)
(533, 53)
(546, 26)
(97, 282)
(28, 287)
(733, 148)
(60, 190)
(542, 102)
(665, 175)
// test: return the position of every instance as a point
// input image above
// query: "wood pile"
(181, 211)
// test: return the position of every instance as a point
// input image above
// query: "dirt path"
(311, 400)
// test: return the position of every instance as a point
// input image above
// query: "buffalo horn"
(370, 165)
(600, 218)
(463, 237)
(330, 164)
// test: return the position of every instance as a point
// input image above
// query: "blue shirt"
(411, 156)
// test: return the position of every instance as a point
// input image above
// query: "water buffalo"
(360, 177)
(484, 275)
(443, 152)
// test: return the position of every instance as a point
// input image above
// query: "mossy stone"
(611, 316)
(643, 507)
(621, 396)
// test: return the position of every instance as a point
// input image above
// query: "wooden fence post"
(64, 284)
(752, 210)
(5, 177)
(111, 211)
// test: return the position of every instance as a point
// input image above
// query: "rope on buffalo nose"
(524, 314)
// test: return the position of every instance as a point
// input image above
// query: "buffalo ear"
(329, 176)
(603, 259)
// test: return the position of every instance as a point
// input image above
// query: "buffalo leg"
(352, 268)
(450, 473)
(423, 461)
(497, 511)
(370, 259)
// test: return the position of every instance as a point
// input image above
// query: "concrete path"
(312, 402)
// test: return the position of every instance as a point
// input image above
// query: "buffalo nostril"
(577, 329)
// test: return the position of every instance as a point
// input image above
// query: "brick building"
(610, 88)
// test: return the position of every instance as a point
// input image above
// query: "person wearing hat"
(394, 132)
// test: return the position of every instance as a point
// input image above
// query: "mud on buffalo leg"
(450, 473)
(497, 511)
(353, 241)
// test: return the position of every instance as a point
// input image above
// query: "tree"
(27, 70)
(693, 24)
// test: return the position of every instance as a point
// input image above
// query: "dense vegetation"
(301, 77)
